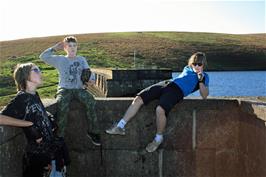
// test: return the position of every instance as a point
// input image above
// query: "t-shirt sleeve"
(15, 108)
(85, 63)
(48, 57)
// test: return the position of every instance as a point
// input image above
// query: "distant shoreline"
(223, 70)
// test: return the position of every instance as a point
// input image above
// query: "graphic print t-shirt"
(29, 107)
(69, 69)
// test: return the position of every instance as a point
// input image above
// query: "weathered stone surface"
(252, 107)
(179, 129)
(11, 154)
(205, 162)
(7, 133)
(86, 164)
(121, 83)
(227, 163)
(217, 129)
(252, 143)
(210, 138)
(178, 163)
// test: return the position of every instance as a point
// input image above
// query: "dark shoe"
(95, 138)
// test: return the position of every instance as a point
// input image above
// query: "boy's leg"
(118, 129)
(160, 119)
(93, 126)
(160, 123)
(143, 97)
(63, 98)
(133, 108)
(171, 95)
(88, 100)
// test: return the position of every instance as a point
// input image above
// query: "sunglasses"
(195, 64)
(36, 70)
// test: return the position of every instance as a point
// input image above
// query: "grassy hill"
(152, 49)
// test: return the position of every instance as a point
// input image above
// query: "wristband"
(202, 81)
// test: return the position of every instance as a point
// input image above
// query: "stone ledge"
(213, 137)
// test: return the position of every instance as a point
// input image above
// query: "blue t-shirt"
(188, 80)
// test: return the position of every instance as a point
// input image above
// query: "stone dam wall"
(204, 138)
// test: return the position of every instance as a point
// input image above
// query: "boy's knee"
(138, 100)
(160, 110)
(62, 103)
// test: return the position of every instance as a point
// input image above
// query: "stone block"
(125, 163)
(178, 163)
(178, 133)
(227, 163)
(11, 153)
(252, 143)
(89, 164)
(205, 163)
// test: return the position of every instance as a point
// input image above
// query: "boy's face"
(197, 67)
(35, 76)
(71, 48)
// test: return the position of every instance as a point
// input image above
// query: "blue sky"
(37, 18)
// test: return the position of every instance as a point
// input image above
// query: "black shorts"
(167, 92)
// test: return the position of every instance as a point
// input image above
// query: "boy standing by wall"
(70, 86)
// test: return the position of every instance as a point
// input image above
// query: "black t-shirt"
(26, 106)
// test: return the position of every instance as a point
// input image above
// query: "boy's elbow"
(204, 96)
(42, 56)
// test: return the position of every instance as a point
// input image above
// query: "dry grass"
(162, 49)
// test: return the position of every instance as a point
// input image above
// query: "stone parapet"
(204, 138)
(122, 83)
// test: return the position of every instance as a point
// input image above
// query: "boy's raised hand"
(200, 75)
(58, 46)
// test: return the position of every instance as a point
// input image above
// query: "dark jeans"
(33, 165)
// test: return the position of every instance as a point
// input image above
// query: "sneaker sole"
(111, 133)
(150, 151)
(93, 142)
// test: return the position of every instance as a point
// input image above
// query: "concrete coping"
(251, 105)
(108, 73)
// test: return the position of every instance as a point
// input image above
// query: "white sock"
(158, 137)
(122, 123)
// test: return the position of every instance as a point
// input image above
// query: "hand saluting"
(58, 46)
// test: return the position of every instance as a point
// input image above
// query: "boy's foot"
(151, 147)
(95, 138)
(115, 130)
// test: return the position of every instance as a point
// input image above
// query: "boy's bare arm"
(204, 91)
(6, 120)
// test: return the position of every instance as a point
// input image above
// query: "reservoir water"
(235, 83)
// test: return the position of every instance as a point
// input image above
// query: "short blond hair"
(21, 75)
(198, 57)
(70, 39)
